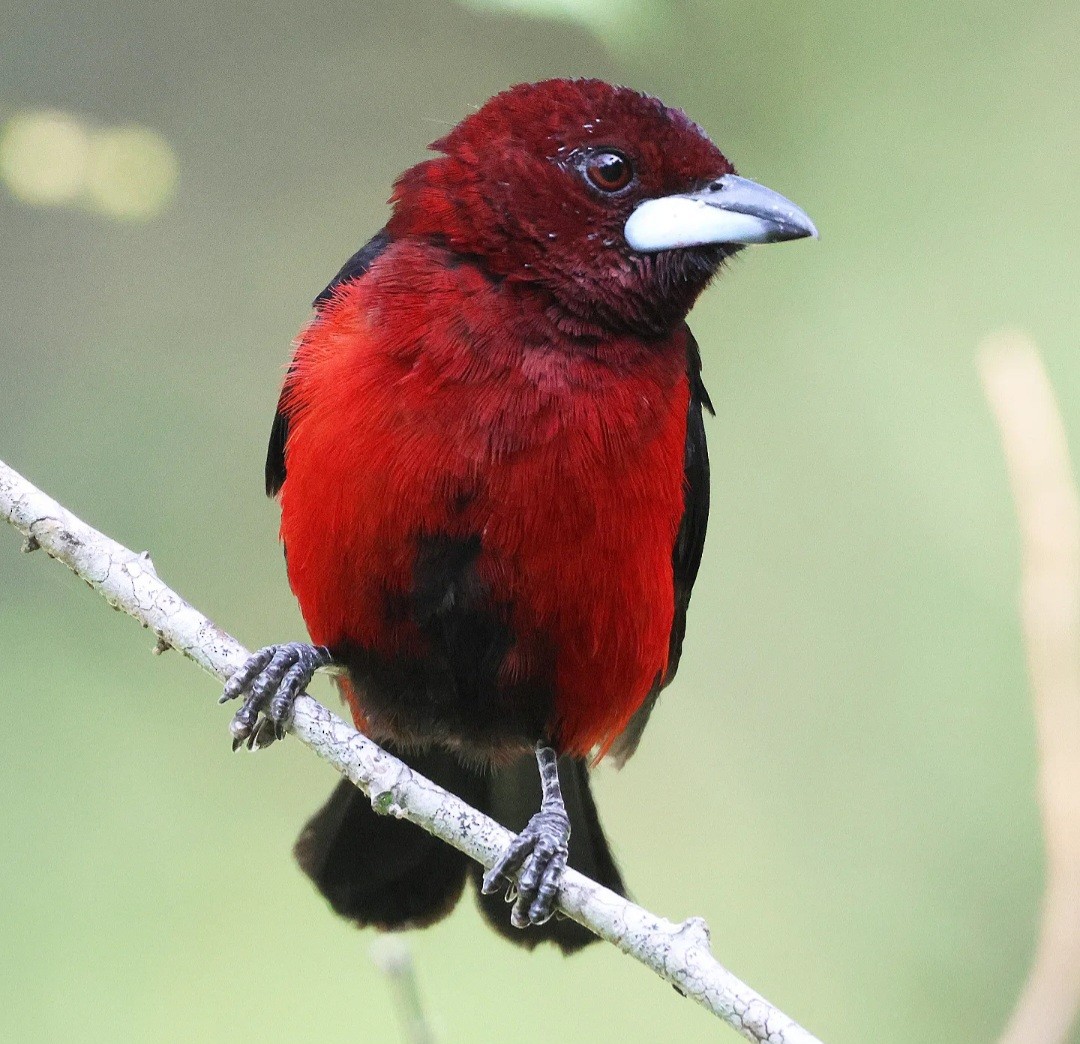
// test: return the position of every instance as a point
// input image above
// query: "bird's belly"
(486, 596)
(587, 570)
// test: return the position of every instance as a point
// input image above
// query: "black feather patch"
(357, 265)
(454, 690)
(386, 872)
(382, 871)
(354, 268)
(689, 544)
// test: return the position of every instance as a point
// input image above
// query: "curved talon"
(540, 852)
(273, 677)
(243, 722)
(264, 734)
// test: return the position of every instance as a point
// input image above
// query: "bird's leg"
(273, 678)
(540, 851)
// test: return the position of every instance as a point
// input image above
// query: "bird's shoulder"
(354, 269)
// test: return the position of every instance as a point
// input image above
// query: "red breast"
(430, 398)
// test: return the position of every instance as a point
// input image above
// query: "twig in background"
(390, 954)
(678, 953)
(1048, 511)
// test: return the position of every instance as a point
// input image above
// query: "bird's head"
(615, 208)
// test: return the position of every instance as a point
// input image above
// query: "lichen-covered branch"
(678, 953)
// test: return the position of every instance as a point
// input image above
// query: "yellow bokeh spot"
(44, 157)
(49, 158)
(131, 172)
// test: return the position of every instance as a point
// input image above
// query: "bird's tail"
(388, 873)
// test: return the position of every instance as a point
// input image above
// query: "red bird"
(494, 484)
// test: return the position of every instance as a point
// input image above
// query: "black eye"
(609, 171)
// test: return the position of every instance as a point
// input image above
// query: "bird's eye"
(609, 171)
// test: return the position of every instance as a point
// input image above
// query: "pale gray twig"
(678, 953)
(390, 954)
(1048, 511)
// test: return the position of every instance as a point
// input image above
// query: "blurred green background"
(842, 781)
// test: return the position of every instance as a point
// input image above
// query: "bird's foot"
(540, 850)
(272, 678)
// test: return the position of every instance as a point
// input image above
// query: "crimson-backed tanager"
(494, 486)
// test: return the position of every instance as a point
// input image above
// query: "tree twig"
(1048, 511)
(391, 956)
(678, 953)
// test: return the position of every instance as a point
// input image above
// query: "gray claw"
(540, 852)
(272, 678)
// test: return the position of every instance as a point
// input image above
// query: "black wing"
(689, 543)
(354, 268)
(357, 265)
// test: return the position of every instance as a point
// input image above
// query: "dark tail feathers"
(388, 873)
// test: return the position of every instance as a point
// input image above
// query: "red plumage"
(469, 412)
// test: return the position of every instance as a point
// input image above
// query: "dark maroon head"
(616, 206)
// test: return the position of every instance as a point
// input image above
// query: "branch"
(1048, 511)
(678, 953)
(391, 956)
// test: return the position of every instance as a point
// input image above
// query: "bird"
(489, 453)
